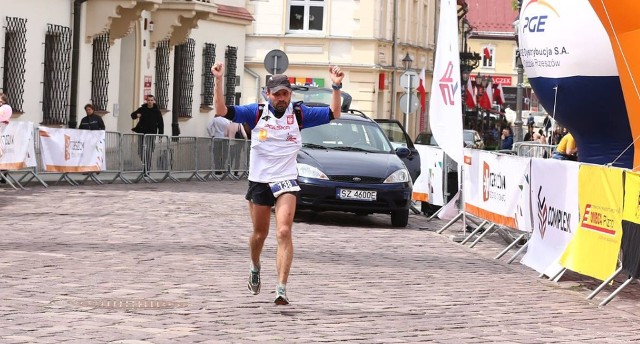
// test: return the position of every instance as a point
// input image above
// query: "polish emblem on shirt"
(290, 119)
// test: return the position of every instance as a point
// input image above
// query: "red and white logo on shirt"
(290, 119)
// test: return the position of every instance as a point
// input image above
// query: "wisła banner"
(429, 184)
(594, 249)
(72, 150)
(496, 188)
(554, 202)
(16, 143)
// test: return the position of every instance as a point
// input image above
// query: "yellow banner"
(631, 209)
(594, 249)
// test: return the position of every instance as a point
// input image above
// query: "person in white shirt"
(217, 127)
(275, 142)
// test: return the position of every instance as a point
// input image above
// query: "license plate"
(357, 195)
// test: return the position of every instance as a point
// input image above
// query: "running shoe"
(254, 282)
(281, 296)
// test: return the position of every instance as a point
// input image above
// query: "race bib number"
(284, 186)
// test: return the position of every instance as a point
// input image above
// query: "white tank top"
(274, 146)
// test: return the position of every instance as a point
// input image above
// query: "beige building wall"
(358, 36)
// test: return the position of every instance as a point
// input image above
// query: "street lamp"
(520, 70)
(406, 61)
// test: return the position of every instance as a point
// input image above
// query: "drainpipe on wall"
(75, 61)
(393, 59)
(257, 76)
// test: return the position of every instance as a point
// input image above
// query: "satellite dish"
(276, 62)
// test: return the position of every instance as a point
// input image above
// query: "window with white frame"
(488, 56)
(306, 15)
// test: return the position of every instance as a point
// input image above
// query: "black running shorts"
(260, 194)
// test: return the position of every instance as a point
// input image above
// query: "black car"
(350, 165)
(399, 138)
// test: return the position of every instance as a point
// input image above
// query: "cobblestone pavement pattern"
(168, 263)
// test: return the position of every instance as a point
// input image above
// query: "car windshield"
(468, 136)
(346, 135)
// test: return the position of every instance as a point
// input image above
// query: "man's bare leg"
(261, 218)
(285, 210)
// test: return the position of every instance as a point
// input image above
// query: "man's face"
(150, 101)
(88, 110)
(280, 100)
(505, 132)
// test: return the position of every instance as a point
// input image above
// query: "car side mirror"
(403, 152)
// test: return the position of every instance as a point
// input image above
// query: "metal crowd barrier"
(533, 150)
(132, 158)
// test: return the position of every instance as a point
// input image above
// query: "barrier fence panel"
(204, 158)
(533, 150)
(113, 156)
(40, 168)
(158, 157)
(183, 155)
(238, 158)
(30, 172)
(220, 156)
(132, 155)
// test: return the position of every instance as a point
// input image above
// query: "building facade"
(368, 39)
(123, 51)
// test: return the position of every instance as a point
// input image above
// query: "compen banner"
(497, 188)
(72, 150)
(555, 214)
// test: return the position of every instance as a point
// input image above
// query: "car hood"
(336, 163)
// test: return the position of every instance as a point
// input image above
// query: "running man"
(275, 142)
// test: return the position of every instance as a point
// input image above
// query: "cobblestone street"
(168, 263)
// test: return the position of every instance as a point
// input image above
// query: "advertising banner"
(429, 187)
(496, 188)
(16, 143)
(72, 150)
(595, 246)
(555, 214)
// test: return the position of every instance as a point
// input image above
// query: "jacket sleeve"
(133, 114)
(101, 123)
(160, 123)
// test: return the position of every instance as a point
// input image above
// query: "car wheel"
(400, 218)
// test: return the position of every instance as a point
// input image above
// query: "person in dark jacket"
(149, 118)
(150, 122)
(91, 121)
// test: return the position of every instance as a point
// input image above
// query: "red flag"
(422, 90)
(487, 53)
(498, 95)
(487, 96)
(470, 95)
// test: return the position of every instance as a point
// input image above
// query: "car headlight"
(308, 171)
(399, 176)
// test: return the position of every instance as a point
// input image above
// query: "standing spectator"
(275, 142)
(5, 116)
(218, 126)
(91, 121)
(5, 109)
(543, 138)
(235, 131)
(529, 135)
(530, 120)
(507, 139)
(150, 122)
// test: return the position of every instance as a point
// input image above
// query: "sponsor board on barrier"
(72, 150)
(497, 188)
(428, 187)
(555, 213)
(18, 150)
(594, 248)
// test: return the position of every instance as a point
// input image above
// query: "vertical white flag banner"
(72, 150)
(445, 107)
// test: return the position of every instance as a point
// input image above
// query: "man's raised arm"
(336, 98)
(218, 96)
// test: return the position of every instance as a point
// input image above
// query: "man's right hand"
(217, 69)
(138, 115)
